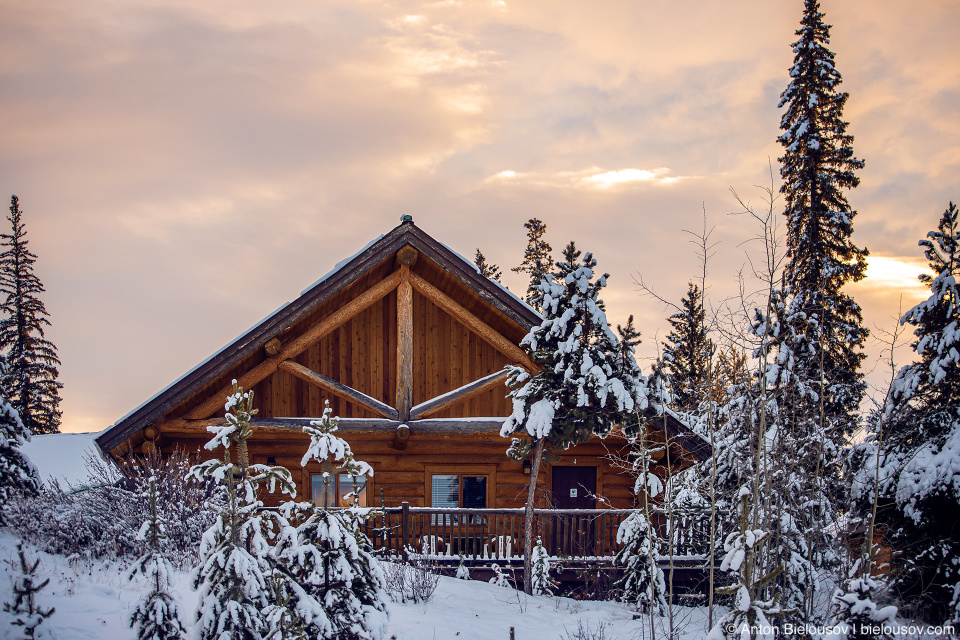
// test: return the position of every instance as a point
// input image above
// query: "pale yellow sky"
(185, 170)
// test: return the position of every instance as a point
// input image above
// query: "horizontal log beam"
(298, 345)
(465, 392)
(478, 326)
(354, 425)
(340, 390)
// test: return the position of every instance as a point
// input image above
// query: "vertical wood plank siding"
(362, 354)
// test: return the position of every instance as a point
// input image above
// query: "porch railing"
(499, 533)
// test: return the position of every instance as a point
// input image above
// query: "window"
(333, 490)
(453, 491)
(467, 492)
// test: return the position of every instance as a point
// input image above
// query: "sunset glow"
(186, 169)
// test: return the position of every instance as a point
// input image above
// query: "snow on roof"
(62, 456)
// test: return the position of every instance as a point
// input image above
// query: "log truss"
(397, 419)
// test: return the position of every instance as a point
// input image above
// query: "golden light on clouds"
(612, 178)
(897, 275)
(592, 178)
(165, 152)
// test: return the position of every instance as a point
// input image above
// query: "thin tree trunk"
(528, 518)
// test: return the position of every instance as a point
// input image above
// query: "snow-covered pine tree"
(824, 332)
(919, 471)
(27, 614)
(687, 352)
(18, 476)
(329, 556)
(582, 388)
(642, 583)
(236, 572)
(157, 616)
(543, 584)
(537, 260)
(487, 270)
(31, 377)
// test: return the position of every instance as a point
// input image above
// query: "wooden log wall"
(404, 476)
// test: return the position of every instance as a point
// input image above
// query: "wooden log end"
(272, 348)
(407, 256)
(148, 448)
(400, 437)
(151, 432)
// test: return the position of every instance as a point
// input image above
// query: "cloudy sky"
(185, 168)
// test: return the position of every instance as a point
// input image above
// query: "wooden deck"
(582, 543)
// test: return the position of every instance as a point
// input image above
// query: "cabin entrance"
(573, 488)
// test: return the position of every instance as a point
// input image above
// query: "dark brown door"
(573, 488)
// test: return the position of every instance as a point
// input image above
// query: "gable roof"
(370, 265)
(344, 274)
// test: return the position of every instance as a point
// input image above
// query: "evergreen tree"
(238, 598)
(157, 616)
(31, 377)
(687, 352)
(825, 332)
(543, 584)
(641, 582)
(17, 473)
(487, 270)
(329, 556)
(27, 614)
(537, 260)
(583, 387)
(919, 474)
(819, 329)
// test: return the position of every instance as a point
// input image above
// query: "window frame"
(473, 470)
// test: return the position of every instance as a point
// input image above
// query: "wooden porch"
(581, 541)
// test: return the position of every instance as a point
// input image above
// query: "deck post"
(404, 528)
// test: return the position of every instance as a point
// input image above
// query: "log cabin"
(407, 341)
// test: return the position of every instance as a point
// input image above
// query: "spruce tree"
(329, 556)
(27, 614)
(237, 595)
(641, 583)
(819, 328)
(537, 260)
(542, 583)
(825, 333)
(919, 474)
(31, 377)
(157, 616)
(583, 386)
(687, 352)
(487, 270)
(18, 476)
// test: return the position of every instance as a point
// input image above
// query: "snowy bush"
(413, 581)
(100, 517)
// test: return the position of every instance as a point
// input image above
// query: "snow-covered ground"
(93, 601)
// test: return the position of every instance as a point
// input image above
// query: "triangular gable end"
(350, 338)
